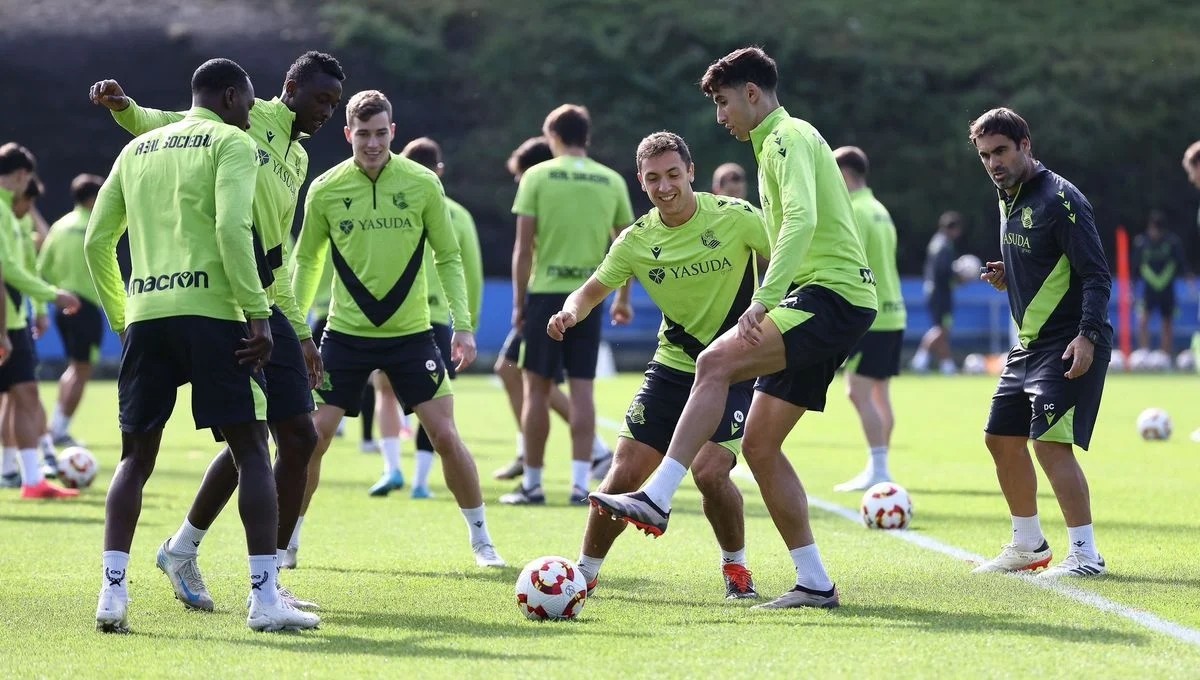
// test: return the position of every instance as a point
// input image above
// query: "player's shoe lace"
(111, 612)
(739, 584)
(486, 555)
(279, 615)
(1076, 565)
(184, 574)
(1012, 558)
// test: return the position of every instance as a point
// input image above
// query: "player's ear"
(290, 86)
(691, 172)
(346, 131)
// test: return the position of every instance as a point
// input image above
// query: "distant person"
(1158, 262)
(61, 263)
(1053, 268)
(729, 179)
(939, 295)
(531, 152)
(568, 210)
(18, 383)
(1191, 164)
(876, 359)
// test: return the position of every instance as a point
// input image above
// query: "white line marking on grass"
(1142, 618)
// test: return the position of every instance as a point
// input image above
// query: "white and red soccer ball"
(1154, 425)
(551, 588)
(886, 506)
(77, 467)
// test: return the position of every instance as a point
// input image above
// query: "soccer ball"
(551, 588)
(967, 267)
(1186, 361)
(975, 364)
(1154, 425)
(77, 467)
(886, 506)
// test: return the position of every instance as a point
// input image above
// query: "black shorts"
(412, 363)
(941, 309)
(442, 335)
(513, 346)
(655, 410)
(877, 355)
(81, 332)
(161, 354)
(1161, 301)
(318, 329)
(577, 352)
(819, 329)
(22, 360)
(1035, 400)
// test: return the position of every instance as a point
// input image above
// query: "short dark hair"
(217, 75)
(34, 188)
(745, 65)
(1001, 121)
(363, 105)
(1192, 156)
(311, 63)
(854, 159)
(659, 143)
(951, 219)
(531, 152)
(726, 172)
(15, 157)
(85, 186)
(571, 123)
(425, 151)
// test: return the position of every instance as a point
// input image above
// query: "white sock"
(9, 464)
(1083, 541)
(59, 423)
(263, 586)
(920, 360)
(533, 477)
(187, 540)
(477, 525)
(666, 480)
(46, 443)
(115, 565)
(581, 470)
(810, 571)
(390, 447)
(599, 448)
(31, 467)
(279, 555)
(879, 460)
(738, 557)
(948, 367)
(1027, 533)
(520, 445)
(295, 540)
(590, 567)
(424, 467)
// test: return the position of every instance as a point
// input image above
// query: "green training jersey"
(577, 203)
(184, 191)
(814, 237)
(20, 279)
(61, 261)
(468, 244)
(282, 167)
(26, 229)
(377, 233)
(878, 234)
(701, 274)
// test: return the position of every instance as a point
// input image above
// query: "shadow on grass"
(978, 493)
(428, 636)
(900, 618)
(1132, 579)
(50, 519)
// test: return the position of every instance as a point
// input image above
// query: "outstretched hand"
(108, 93)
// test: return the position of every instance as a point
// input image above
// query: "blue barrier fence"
(981, 321)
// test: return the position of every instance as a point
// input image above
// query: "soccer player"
(26, 419)
(531, 152)
(1159, 260)
(428, 153)
(729, 179)
(376, 212)
(1191, 165)
(568, 209)
(197, 314)
(821, 297)
(694, 254)
(939, 295)
(1058, 285)
(61, 263)
(876, 359)
(312, 90)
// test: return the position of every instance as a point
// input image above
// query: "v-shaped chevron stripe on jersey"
(691, 345)
(379, 310)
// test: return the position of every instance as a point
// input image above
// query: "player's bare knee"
(443, 435)
(712, 476)
(713, 365)
(297, 438)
